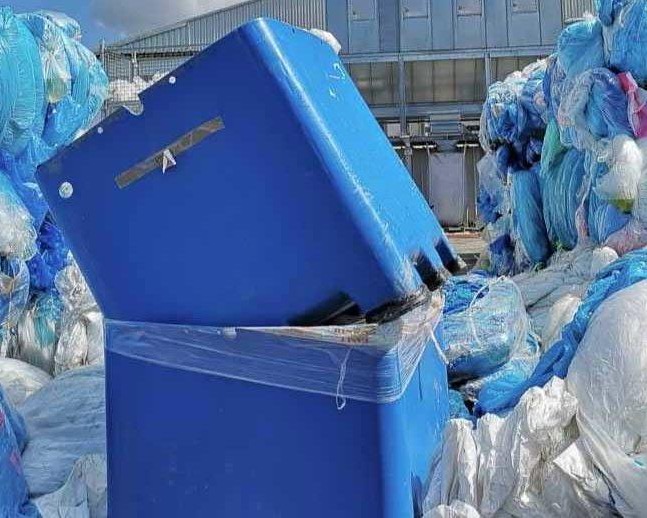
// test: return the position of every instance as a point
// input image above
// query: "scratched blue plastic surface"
(299, 200)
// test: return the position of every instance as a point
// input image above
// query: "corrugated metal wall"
(204, 30)
(416, 62)
(575, 9)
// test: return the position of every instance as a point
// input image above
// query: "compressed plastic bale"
(17, 235)
(626, 40)
(21, 83)
(561, 178)
(81, 337)
(55, 66)
(64, 22)
(528, 217)
(76, 83)
(19, 380)
(89, 89)
(487, 391)
(580, 47)
(65, 420)
(21, 174)
(504, 117)
(594, 108)
(532, 97)
(492, 197)
(607, 376)
(460, 291)
(487, 333)
(625, 161)
(553, 85)
(602, 218)
(608, 10)
(500, 246)
(38, 331)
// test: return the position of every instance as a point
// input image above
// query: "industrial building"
(423, 67)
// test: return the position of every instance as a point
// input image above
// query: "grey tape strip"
(155, 161)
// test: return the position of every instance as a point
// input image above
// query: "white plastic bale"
(609, 377)
(19, 380)
(625, 162)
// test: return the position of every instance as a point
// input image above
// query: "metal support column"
(404, 127)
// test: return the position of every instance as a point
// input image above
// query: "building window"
(461, 80)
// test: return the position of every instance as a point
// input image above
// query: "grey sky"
(132, 16)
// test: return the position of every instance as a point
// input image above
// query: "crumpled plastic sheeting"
(608, 376)
(568, 274)
(580, 47)
(595, 107)
(561, 176)
(520, 465)
(19, 380)
(626, 40)
(493, 198)
(84, 494)
(626, 271)
(65, 420)
(528, 215)
(13, 488)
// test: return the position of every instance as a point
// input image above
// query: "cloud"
(133, 16)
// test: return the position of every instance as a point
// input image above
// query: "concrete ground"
(469, 245)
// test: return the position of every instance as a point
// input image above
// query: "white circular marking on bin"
(65, 190)
(229, 333)
(100, 130)
(172, 80)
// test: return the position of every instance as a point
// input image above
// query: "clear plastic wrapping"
(365, 362)
(488, 332)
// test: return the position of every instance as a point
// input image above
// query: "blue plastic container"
(286, 203)
(246, 423)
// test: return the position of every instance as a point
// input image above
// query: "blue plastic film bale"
(484, 336)
(580, 47)
(603, 218)
(626, 40)
(562, 189)
(595, 108)
(528, 216)
(21, 83)
(608, 10)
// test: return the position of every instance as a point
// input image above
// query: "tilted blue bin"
(258, 423)
(285, 205)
